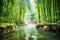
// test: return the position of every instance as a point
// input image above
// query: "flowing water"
(29, 32)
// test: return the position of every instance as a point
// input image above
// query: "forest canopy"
(44, 11)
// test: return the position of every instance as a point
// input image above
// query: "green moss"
(7, 27)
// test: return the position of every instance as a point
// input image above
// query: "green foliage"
(12, 11)
(47, 11)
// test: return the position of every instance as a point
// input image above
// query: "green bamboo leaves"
(47, 11)
(12, 11)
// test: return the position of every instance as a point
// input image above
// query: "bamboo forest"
(29, 19)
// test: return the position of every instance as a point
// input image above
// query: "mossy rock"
(7, 27)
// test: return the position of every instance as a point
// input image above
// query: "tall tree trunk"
(38, 13)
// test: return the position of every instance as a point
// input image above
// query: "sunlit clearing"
(29, 12)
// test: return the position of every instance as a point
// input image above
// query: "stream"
(29, 32)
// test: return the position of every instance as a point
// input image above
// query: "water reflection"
(29, 32)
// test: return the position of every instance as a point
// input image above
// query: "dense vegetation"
(13, 11)
(48, 11)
